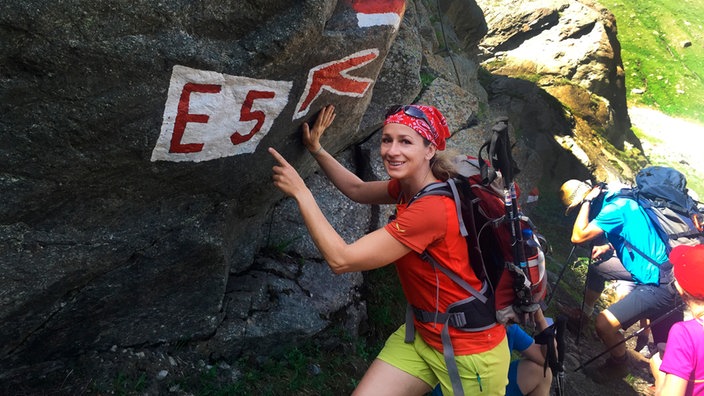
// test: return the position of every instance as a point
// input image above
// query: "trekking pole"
(636, 333)
(560, 366)
(584, 297)
(559, 277)
(500, 153)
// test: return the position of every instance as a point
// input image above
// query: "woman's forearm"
(326, 239)
(350, 184)
(371, 251)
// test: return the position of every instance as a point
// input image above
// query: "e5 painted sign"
(212, 115)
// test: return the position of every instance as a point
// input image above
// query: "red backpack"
(518, 286)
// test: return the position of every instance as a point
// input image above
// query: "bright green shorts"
(485, 372)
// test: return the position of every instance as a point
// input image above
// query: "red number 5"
(246, 114)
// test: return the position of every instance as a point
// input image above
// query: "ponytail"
(442, 166)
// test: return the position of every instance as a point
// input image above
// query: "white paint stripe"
(388, 18)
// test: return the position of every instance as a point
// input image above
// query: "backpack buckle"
(698, 221)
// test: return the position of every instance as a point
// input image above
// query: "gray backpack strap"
(458, 206)
(448, 353)
(410, 326)
(439, 189)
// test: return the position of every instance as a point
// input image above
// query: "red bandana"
(436, 135)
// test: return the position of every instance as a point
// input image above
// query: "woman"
(411, 138)
(681, 370)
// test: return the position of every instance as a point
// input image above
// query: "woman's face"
(404, 152)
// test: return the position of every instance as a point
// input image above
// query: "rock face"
(137, 207)
(101, 244)
(569, 50)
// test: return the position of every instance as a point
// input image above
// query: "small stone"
(638, 91)
(161, 375)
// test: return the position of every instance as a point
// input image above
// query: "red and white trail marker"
(212, 115)
(379, 12)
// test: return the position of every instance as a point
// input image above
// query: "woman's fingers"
(285, 176)
(326, 116)
(324, 120)
(311, 136)
(278, 157)
(308, 140)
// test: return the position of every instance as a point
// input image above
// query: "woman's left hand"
(311, 137)
(285, 176)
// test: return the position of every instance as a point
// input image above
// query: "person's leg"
(384, 379)
(621, 314)
(655, 362)
(531, 379)
(597, 274)
(484, 373)
(398, 369)
(622, 288)
(645, 301)
(607, 328)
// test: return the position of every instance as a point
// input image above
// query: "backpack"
(677, 218)
(484, 224)
(509, 291)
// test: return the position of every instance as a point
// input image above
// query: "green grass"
(652, 33)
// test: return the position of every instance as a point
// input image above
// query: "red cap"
(688, 262)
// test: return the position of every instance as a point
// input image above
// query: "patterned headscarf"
(436, 132)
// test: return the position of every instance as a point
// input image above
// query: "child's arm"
(672, 386)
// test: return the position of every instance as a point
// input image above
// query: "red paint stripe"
(379, 6)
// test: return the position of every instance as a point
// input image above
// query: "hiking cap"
(572, 193)
(688, 262)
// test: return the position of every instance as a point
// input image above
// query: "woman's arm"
(348, 183)
(374, 250)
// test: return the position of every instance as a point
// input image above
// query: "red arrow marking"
(334, 77)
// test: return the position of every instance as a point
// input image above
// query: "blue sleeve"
(610, 218)
(518, 339)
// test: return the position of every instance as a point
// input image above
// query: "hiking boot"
(610, 370)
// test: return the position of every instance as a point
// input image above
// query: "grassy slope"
(652, 33)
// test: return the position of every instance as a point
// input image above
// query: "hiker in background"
(609, 221)
(681, 371)
(412, 137)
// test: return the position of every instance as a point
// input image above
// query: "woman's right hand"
(285, 177)
(311, 137)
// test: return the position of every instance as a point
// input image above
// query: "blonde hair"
(442, 166)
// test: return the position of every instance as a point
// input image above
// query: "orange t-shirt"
(431, 224)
